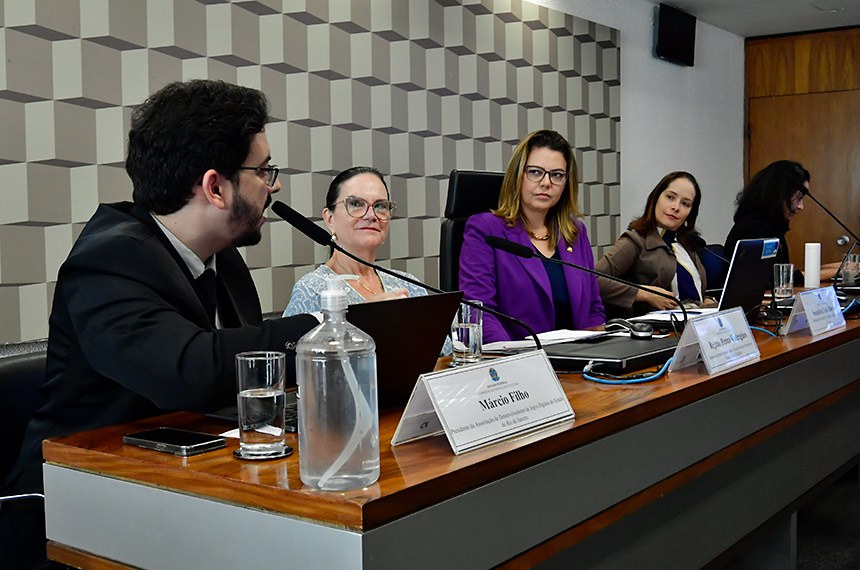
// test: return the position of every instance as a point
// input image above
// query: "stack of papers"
(666, 316)
(547, 338)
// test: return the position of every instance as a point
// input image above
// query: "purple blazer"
(520, 287)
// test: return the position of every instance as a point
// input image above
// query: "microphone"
(715, 254)
(842, 240)
(805, 191)
(322, 237)
(301, 223)
(526, 252)
(699, 242)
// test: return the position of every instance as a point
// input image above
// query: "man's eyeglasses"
(270, 173)
(536, 174)
(357, 207)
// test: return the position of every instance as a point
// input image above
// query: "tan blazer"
(644, 260)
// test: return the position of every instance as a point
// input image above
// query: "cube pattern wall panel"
(415, 88)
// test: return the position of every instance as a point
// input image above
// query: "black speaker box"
(676, 36)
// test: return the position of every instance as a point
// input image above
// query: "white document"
(666, 316)
(483, 403)
(818, 309)
(547, 338)
(722, 340)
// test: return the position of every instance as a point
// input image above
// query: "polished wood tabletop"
(418, 474)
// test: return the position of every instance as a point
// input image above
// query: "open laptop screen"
(750, 274)
(409, 335)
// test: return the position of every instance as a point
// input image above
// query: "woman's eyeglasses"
(357, 207)
(536, 174)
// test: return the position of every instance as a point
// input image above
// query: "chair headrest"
(471, 192)
(26, 347)
(21, 369)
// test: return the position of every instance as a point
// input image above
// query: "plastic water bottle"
(338, 414)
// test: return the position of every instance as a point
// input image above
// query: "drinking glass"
(261, 400)
(467, 334)
(783, 280)
(851, 269)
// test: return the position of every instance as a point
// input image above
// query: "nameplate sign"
(722, 340)
(818, 309)
(483, 403)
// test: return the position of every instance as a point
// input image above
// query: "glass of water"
(783, 280)
(261, 400)
(851, 270)
(467, 334)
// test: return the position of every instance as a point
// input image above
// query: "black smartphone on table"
(176, 441)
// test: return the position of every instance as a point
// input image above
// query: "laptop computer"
(746, 282)
(613, 353)
(750, 274)
(409, 335)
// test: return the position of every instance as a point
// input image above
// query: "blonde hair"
(560, 220)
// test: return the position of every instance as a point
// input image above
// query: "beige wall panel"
(22, 254)
(414, 88)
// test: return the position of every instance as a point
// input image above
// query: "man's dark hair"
(185, 129)
(769, 190)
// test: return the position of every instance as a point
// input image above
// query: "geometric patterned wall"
(412, 87)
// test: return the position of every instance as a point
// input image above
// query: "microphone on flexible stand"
(526, 252)
(699, 242)
(322, 237)
(715, 254)
(805, 191)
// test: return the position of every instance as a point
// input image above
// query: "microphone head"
(509, 246)
(301, 223)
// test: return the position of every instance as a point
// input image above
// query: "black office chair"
(22, 373)
(715, 265)
(469, 192)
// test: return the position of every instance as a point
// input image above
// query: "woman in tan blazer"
(660, 249)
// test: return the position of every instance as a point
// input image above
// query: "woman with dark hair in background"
(537, 209)
(765, 207)
(660, 249)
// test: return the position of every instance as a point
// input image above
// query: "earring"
(334, 236)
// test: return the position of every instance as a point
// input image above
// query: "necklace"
(539, 238)
(358, 280)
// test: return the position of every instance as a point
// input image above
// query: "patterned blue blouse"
(306, 293)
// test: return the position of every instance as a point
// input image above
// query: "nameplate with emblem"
(722, 340)
(817, 309)
(483, 403)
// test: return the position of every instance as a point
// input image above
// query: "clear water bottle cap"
(335, 294)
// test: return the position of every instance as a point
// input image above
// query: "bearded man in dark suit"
(154, 300)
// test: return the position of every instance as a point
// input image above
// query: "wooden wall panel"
(802, 103)
(821, 131)
(809, 63)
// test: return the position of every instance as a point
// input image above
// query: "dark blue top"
(560, 295)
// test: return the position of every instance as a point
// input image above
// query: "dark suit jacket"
(130, 338)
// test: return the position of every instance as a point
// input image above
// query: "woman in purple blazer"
(538, 209)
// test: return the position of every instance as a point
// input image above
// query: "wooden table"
(668, 474)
